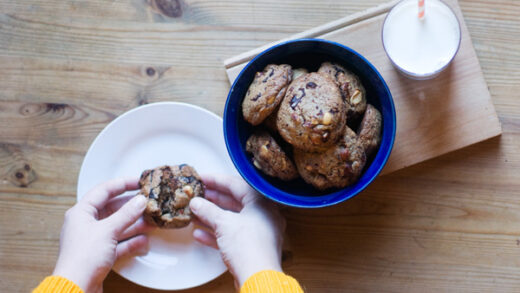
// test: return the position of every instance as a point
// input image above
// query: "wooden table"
(67, 68)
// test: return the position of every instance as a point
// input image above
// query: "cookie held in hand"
(169, 190)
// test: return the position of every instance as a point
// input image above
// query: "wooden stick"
(314, 32)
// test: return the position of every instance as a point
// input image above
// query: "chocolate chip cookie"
(338, 166)
(269, 157)
(369, 131)
(266, 92)
(169, 190)
(352, 90)
(312, 114)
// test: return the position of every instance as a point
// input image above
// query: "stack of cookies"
(305, 124)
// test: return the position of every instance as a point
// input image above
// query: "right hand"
(100, 229)
(246, 228)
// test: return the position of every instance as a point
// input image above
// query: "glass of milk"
(421, 48)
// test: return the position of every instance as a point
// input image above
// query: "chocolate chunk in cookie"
(338, 166)
(269, 157)
(169, 190)
(369, 132)
(312, 114)
(266, 92)
(352, 90)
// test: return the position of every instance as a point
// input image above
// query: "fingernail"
(195, 204)
(139, 201)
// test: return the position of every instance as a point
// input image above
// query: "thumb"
(207, 212)
(127, 214)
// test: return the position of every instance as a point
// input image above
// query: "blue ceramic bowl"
(307, 53)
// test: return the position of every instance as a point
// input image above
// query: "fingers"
(126, 215)
(232, 185)
(207, 212)
(139, 227)
(196, 222)
(205, 238)
(100, 195)
(223, 200)
(113, 205)
(137, 245)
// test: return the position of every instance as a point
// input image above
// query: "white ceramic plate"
(150, 136)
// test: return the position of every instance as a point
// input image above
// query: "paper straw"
(421, 8)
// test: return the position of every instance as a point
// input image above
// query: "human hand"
(100, 229)
(246, 228)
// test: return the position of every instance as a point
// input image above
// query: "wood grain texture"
(235, 64)
(446, 225)
(435, 116)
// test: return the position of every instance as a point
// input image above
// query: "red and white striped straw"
(421, 8)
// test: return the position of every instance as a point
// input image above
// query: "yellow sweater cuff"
(54, 284)
(271, 281)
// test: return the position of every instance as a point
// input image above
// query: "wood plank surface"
(434, 117)
(68, 68)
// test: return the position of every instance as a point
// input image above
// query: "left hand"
(100, 229)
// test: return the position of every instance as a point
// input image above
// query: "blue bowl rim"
(340, 199)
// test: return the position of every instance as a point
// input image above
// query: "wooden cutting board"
(434, 117)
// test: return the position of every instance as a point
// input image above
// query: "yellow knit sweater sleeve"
(264, 281)
(55, 284)
(271, 281)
